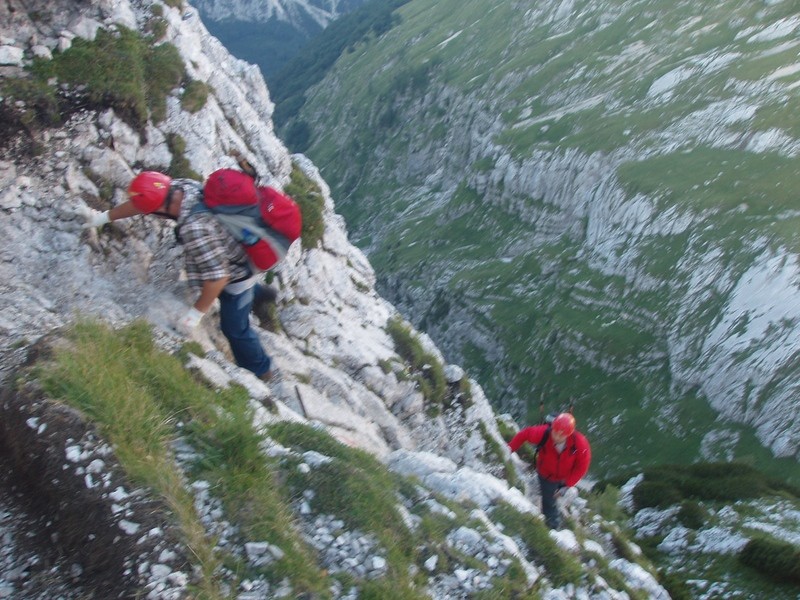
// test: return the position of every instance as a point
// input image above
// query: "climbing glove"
(91, 217)
(189, 322)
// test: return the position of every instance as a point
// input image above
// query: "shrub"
(309, 197)
(677, 587)
(691, 514)
(428, 371)
(180, 167)
(562, 567)
(96, 65)
(120, 69)
(622, 546)
(655, 494)
(605, 502)
(298, 136)
(164, 71)
(776, 559)
(39, 102)
(195, 96)
(724, 482)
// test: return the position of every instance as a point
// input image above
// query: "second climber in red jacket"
(562, 461)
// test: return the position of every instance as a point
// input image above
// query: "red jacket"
(568, 466)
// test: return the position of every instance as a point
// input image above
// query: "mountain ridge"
(608, 145)
(345, 397)
(270, 33)
(368, 468)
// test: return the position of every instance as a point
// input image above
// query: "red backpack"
(264, 220)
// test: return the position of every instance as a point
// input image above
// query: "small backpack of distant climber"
(264, 220)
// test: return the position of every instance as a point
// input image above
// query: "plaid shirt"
(209, 251)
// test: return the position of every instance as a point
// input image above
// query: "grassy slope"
(143, 400)
(580, 85)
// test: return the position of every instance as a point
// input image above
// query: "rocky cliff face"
(321, 12)
(330, 354)
(588, 205)
(269, 33)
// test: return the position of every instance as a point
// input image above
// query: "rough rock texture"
(87, 509)
(330, 353)
(598, 228)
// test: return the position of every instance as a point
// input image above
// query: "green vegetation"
(150, 72)
(676, 587)
(309, 197)
(136, 92)
(512, 585)
(730, 496)
(40, 102)
(562, 567)
(723, 482)
(775, 559)
(180, 166)
(547, 294)
(731, 183)
(311, 65)
(604, 500)
(195, 96)
(426, 368)
(355, 487)
(692, 514)
(141, 399)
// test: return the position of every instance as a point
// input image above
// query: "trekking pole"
(300, 399)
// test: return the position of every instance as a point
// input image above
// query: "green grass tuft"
(195, 95)
(355, 487)
(428, 371)
(667, 485)
(309, 197)
(138, 396)
(562, 567)
(776, 559)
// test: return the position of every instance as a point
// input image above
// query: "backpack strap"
(540, 445)
(241, 226)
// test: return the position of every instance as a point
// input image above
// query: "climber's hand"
(92, 218)
(189, 322)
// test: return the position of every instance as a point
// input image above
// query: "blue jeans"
(548, 490)
(234, 320)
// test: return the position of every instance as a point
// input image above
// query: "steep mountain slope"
(269, 32)
(148, 457)
(590, 202)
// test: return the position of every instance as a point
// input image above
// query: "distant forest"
(288, 87)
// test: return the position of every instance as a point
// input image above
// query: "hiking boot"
(265, 293)
(267, 376)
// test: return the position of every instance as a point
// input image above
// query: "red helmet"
(564, 424)
(149, 190)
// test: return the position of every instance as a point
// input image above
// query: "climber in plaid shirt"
(215, 263)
